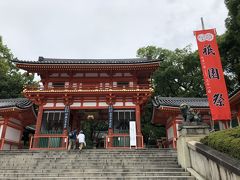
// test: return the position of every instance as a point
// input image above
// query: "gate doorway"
(94, 124)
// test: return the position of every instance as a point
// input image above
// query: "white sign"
(132, 132)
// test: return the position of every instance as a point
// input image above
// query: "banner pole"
(202, 23)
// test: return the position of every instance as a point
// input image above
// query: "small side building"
(234, 99)
(15, 114)
(166, 112)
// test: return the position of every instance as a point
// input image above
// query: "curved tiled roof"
(21, 103)
(158, 101)
(42, 60)
(235, 91)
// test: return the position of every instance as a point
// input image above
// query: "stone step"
(77, 161)
(78, 153)
(83, 156)
(92, 166)
(108, 178)
(88, 153)
(89, 162)
(100, 159)
(130, 169)
(95, 174)
(94, 150)
(80, 164)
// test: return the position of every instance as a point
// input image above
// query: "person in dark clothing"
(25, 137)
(72, 136)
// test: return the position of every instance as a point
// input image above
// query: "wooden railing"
(122, 141)
(49, 142)
(89, 87)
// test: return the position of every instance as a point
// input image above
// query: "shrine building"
(166, 112)
(234, 99)
(15, 115)
(78, 90)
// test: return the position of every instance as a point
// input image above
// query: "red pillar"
(138, 119)
(109, 140)
(138, 126)
(174, 133)
(38, 125)
(4, 129)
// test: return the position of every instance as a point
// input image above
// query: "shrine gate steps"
(92, 164)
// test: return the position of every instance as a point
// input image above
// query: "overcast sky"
(103, 28)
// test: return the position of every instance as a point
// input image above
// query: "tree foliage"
(11, 79)
(150, 131)
(229, 43)
(179, 73)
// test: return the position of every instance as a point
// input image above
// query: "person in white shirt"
(81, 140)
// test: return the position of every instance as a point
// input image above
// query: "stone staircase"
(92, 164)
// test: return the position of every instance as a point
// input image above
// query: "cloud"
(103, 29)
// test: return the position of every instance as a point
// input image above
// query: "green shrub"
(226, 141)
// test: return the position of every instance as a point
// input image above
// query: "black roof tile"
(235, 91)
(158, 101)
(42, 60)
(21, 103)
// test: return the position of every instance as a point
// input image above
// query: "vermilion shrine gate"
(89, 88)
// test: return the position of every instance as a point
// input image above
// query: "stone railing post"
(186, 134)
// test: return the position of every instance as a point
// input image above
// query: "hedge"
(226, 141)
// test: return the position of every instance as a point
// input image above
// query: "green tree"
(153, 52)
(229, 43)
(179, 73)
(11, 80)
(150, 131)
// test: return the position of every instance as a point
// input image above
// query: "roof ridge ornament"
(41, 58)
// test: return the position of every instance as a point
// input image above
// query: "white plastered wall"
(170, 132)
(12, 134)
(90, 104)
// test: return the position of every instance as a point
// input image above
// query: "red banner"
(213, 74)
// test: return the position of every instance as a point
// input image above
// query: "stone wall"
(211, 164)
(202, 161)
